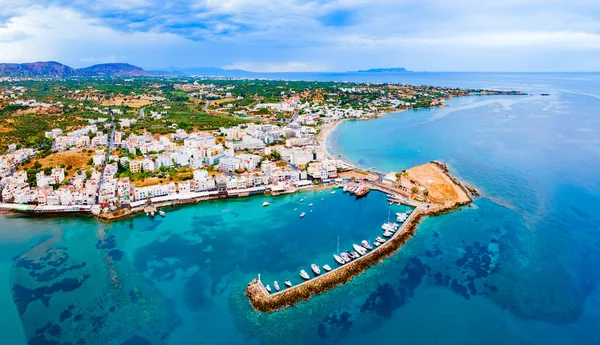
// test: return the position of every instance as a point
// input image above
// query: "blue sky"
(306, 35)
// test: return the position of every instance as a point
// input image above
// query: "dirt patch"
(77, 159)
(442, 189)
(359, 175)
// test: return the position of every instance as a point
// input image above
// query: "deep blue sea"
(518, 267)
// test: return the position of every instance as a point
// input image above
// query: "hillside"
(56, 69)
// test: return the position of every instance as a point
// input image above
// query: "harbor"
(318, 282)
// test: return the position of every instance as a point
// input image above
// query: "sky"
(306, 35)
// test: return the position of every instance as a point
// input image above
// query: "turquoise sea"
(518, 267)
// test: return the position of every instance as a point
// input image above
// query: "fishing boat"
(288, 283)
(362, 191)
(339, 259)
(359, 249)
(304, 275)
(268, 288)
(346, 257)
(302, 215)
(366, 245)
(315, 268)
(388, 234)
(162, 213)
(266, 203)
(276, 285)
(327, 268)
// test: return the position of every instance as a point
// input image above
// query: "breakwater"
(261, 300)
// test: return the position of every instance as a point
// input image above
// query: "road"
(111, 139)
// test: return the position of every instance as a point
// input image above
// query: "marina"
(358, 258)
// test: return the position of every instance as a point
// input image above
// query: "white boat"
(302, 215)
(345, 257)
(310, 211)
(355, 255)
(408, 211)
(296, 209)
(310, 205)
(302, 200)
(377, 244)
(327, 268)
(332, 192)
(268, 288)
(322, 198)
(388, 234)
(315, 269)
(339, 259)
(162, 213)
(288, 283)
(366, 245)
(276, 285)
(304, 275)
(360, 250)
(345, 189)
(266, 203)
(380, 240)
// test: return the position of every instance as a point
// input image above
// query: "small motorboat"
(268, 288)
(322, 198)
(162, 213)
(302, 200)
(377, 244)
(327, 268)
(315, 269)
(310, 205)
(355, 255)
(387, 233)
(346, 257)
(380, 240)
(408, 211)
(288, 283)
(302, 215)
(296, 209)
(310, 211)
(266, 203)
(359, 249)
(339, 259)
(304, 275)
(332, 192)
(276, 285)
(366, 245)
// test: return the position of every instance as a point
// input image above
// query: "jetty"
(437, 179)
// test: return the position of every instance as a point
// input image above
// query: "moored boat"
(162, 213)
(366, 245)
(388, 233)
(315, 268)
(327, 268)
(346, 257)
(362, 191)
(377, 244)
(276, 285)
(355, 255)
(380, 240)
(288, 283)
(268, 288)
(339, 259)
(359, 249)
(304, 275)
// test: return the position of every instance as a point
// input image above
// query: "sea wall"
(263, 301)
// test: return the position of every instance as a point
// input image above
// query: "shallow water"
(518, 266)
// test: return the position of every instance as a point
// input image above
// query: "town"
(144, 149)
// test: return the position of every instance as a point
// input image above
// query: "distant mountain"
(384, 70)
(56, 69)
(112, 69)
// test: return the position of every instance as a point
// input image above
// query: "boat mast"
(338, 247)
